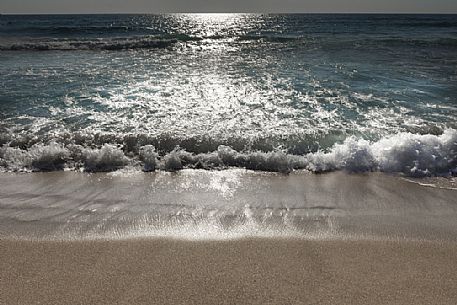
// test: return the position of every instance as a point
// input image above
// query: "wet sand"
(198, 204)
(246, 271)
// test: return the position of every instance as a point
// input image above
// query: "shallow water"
(321, 92)
(230, 204)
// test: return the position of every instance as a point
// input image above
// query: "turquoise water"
(265, 92)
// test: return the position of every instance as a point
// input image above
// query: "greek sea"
(227, 118)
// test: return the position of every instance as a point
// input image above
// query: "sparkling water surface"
(298, 84)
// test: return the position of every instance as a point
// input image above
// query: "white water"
(410, 154)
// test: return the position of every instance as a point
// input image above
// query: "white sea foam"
(275, 161)
(15, 159)
(149, 156)
(107, 158)
(353, 154)
(410, 154)
(173, 160)
(49, 157)
(39, 157)
(417, 154)
(179, 159)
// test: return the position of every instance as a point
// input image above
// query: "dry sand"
(246, 271)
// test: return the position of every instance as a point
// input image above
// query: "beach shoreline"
(224, 205)
(228, 158)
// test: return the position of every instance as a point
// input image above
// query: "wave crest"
(410, 154)
(108, 158)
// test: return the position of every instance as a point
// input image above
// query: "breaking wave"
(410, 154)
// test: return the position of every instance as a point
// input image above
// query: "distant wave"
(269, 38)
(168, 40)
(410, 154)
(72, 29)
(432, 24)
(86, 44)
(442, 42)
(122, 43)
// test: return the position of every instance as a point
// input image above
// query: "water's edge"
(230, 204)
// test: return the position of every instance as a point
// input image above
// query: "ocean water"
(216, 91)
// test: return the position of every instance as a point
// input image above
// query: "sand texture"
(247, 271)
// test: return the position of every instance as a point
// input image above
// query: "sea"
(136, 121)
(264, 92)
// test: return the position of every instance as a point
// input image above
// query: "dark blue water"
(267, 92)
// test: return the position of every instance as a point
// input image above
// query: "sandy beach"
(226, 237)
(152, 157)
(247, 271)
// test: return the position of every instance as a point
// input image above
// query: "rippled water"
(276, 92)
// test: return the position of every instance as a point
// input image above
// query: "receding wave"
(410, 154)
